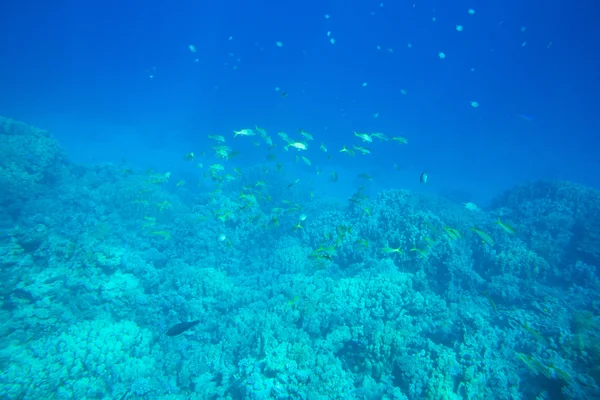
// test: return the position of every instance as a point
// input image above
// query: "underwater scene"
(299, 200)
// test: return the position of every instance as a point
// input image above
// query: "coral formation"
(397, 295)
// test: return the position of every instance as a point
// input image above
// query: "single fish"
(297, 145)
(365, 137)
(181, 327)
(424, 178)
(244, 132)
(485, 238)
(509, 229)
(400, 139)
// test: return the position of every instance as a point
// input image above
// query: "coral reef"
(397, 295)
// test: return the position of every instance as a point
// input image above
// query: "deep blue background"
(82, 69)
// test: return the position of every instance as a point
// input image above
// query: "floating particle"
(192, 48)
(327, 16)
(441, 55)
(523, 29)
(524, 44)
(150, 72)
(279, 44)
(471, 11)
(459, 28)
(277, 88)
(332, 40)
(328, 33)
(376, 115)
(549, 45)
(364, 84)
(230, 37)
(390, 50)
(380, 4)
(378, 47)
(474, 104)
(409, 45)
(403, 91)
(433, 19)
(472, 69)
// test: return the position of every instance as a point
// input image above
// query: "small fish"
(224, 217)
(333, 177)
(283, 135)
(297, 145)
(218, 138)
(165, 205)
(379, 136)
(389, 250)
(365, 137)
(222, 151)
(307, 135)
(261, 131)
(424, 177)
(248, 197)
(189, 156)
(244, 132)
(471, 206)
(400, 139)
(509, 229)
(178, 329)
(454, 234)
(422, 253)
(362, 150)
(323, 148)
(485, 238)
(274, 222)
(345, 150)
(165, 234)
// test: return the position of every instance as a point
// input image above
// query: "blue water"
(312, 274)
